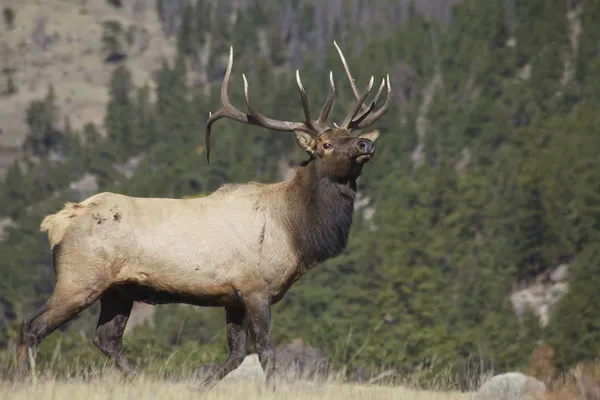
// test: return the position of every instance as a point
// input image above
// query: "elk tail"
(57, 224)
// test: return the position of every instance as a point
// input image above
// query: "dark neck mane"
(319, 215)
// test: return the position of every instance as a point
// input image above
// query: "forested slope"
(486, 175)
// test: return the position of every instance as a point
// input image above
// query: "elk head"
(338, 150)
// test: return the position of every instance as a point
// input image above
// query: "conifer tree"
(574, 330)
(41, 119)
(118, 121)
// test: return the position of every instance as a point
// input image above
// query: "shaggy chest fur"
(320, 217)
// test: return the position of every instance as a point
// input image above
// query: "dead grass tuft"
(580, 383)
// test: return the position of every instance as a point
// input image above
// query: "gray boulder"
(301, 360)
(510, 386)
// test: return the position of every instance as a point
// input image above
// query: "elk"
(240, 248)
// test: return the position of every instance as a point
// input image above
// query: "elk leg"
(64, 304)
(114, 313)
(237, 334)
(259, 316)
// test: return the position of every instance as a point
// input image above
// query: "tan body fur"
(203, 248)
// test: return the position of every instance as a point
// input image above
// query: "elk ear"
(372, 136)
(306, 141)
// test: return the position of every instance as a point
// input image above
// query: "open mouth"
(363, 158)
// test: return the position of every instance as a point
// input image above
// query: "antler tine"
(379, 91)
(269, 123)
(227, 109)
(357, 106)
(309, 122)
(364, 115)
(328, 103)
(348, 73)
(371, 118)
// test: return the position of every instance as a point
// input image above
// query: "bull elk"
(240, 248)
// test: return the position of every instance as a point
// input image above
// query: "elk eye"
(327, 146)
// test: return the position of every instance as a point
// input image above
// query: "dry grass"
(580, 383)
(246, 382)
(143, 388)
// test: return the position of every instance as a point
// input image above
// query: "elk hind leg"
(64, 304)
(115, 309)
(237, 331)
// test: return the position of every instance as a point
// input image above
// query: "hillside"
(60, 43)
(474, 237)
(64, 41)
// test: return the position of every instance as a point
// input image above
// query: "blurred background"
(476, 240)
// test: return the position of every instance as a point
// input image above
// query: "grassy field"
(143, 388)
(73, 382)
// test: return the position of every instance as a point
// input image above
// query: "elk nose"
(365, 145)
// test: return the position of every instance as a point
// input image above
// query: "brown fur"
(319, 218)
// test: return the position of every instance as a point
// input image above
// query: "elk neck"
(318, 214)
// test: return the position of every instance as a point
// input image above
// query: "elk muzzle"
(366, 146)
(366, 150)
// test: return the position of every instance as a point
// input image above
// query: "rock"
(560, 273)
(540, 297)
(5, 225)
(140, 313)
(510, 386)
(249, 370)
(301, 360)
(293, 360)
(86, 186)
(130, 166)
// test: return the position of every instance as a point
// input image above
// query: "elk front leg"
(237, 334)
(259, 317)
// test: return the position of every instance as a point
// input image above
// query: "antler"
(368, 117)
(328, 103)
(357, 106)
(255, 117)
(314, 127)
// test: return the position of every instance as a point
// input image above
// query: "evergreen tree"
(185, 45)
(574, 330)
(587, 68)
(41, 120)
(144, 129)
(120, 108)
(15, 192)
